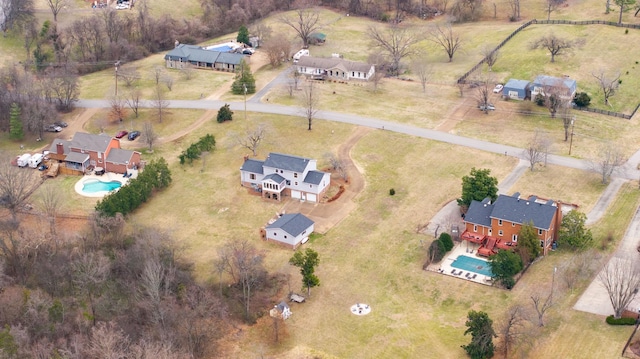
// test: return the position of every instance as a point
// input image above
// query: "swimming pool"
(93, 186)
(222, 48)
(473, 265)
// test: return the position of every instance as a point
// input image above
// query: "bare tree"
(608, 84)
(579, 267)
(536, 150)
(542, 304)
(160, 103)
(253, 138)
(148, 135)
(50, 203)
(422, 69)
(306, 21)
(337, 165)
(157, 74)
(608, 161)
(553, 5)
(555, 98)
(16, 185)
(107, 341)
(16, 14)
(90, 271)
(188, 72)
(133, 100)
(310, 101)
(277, 49)
(396, 42)
(377, 59)
(621, 279)
(515, 10)
(168, 81)
(117, 111)
(483, 93)
(446, 38)
(555, 45)
(128, 74)
(63, 82)
(513, 329)
(490, 55)
(568, 120)
(56, 7)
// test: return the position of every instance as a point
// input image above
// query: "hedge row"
(156, 175)
(621, 321)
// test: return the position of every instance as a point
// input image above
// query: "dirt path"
(328, 215)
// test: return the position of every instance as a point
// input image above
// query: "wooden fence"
(463, 78)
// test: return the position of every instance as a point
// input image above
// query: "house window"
(539, 232)
(275, 234)
(252, 176)
(310, 186)
(304, 232)
(475, 228)
(542, 244)
(295, 183)
(288, 183)
(513, 224)
(500, 233)
(295, 175)
(514, 238)
(499, 222)
(285, 237)
(353, 74)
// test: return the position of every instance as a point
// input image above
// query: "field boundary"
(463, 79)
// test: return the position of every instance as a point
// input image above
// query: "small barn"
(516, 89)
(281, 310)
(290, 229)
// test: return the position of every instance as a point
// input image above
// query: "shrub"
(436, 251)
(539, 100)
(508, 282)
(392, 192)
(582, 99)
(621, 321)
(446, 240)
(224, 114)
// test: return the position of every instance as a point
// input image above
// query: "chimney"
(59, 148)
(246, 157)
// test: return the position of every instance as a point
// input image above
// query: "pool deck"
(465, 248)
(107, 177)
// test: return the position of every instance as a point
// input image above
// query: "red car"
(121, 134)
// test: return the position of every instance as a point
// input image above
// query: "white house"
(335, 68)
(290, 229)
(285, 175)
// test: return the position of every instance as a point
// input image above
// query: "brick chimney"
(59, 148)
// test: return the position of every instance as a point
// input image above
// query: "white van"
(36, 160)
(23, 160)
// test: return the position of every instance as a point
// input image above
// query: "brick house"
(194, 56)
(285, 175)
(85, 150)
(497, 225)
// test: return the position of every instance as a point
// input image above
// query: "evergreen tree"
(224, 114)
(307, 262)
(478, 185)
(243, 35)
(528, 243)
(504, 265)
(480, 326)
(16, 131)
(446, 240)
(573, 232)
(244, 79)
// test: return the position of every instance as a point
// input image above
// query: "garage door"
(311, 197)
(295, 194)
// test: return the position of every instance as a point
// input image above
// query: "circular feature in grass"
(360, 309)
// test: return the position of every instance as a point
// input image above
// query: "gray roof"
(517, 84)
(479, 213)
(77, 157)
(286, 162)
(274, 177)
(294, 224)
(282, 306)
(545, 80)
(253, 166)
(314, 177)
(522, 211)
(54, 146)
(87, 141)
(195, 53)
(119, 156)
(333, 62)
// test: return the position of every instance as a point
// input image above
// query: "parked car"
(122, 6)
(133, 135)
(43, 168)
(487, 107)
(498, 88)
(121, 134)
(61, 123)
(248, 51)
(52, 128)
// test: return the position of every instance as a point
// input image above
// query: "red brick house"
(497, 225)
(86, 150)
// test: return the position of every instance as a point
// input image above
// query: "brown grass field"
(375, 256)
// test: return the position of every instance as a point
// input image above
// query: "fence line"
(464, 77)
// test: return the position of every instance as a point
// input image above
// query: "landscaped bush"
(436, 251)
(206, 143)
(392, 192)
(446, 240)
(621, 321)
(156, 175)
(582, 99)
(224, 114)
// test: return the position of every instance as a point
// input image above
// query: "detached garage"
(290, 229)
(517, 89)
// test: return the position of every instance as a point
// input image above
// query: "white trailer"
(23, 161)
(299, 54)
(36, 160)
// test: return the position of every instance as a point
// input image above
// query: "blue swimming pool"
(471, 264)
(93, 186)
(222, 48)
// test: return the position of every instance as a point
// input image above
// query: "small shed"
(281, 310)
(290, 229)
(317, 38)
(517, 89)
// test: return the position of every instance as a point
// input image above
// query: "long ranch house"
(334, 68)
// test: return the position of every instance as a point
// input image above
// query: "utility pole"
(244, 87)
(116, 65)
(573, 120)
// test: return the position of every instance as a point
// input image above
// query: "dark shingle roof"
(294, 224)
(479, 213)
(286, 162)
(119, 156)
(195, 53)
(313, 177)
(230, 58)
(517, 84)
(274, 177)
(253, 166)
(523, 211)
(54, 146)
(87, 141)
(77, 157)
